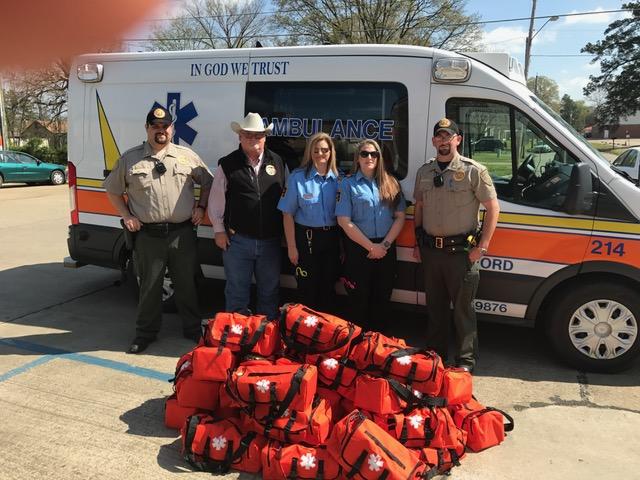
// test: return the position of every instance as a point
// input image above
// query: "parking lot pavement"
(74, 406)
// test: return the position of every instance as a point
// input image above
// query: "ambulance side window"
(527, 165)
(347, 111)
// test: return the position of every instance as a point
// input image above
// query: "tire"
(594, 327)
(168, 299)
(1, 180)
(57, 177)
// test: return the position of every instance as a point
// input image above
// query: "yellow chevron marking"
(89, 182)
(109, 146)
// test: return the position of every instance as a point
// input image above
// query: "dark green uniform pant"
(451, 279)
(154, 251)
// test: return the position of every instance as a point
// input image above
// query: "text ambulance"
(566, 254)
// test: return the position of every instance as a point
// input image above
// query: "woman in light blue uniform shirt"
(308, 208)
(370, 209)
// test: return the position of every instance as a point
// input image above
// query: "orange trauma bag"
(219, 445)
(194, 393)
(294, 426)
(337, 374)
(283, 462)
(174, 414)
(366, 451)
(212, 363)
(442, 459)
(457, 385)
(242, 334)
(385, 395)
(485, 426)
(373, 348)
(266, 391)
(423, 427)
(306, 331)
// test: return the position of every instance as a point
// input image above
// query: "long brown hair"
(307, 163)
(388, 186)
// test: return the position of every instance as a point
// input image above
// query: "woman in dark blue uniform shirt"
(370, 209)
(308, 208)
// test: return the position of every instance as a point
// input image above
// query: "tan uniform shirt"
(452, 209)
(155, 198)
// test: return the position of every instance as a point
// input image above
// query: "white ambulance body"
(566, 253)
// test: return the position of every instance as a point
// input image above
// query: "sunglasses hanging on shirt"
(159, 167)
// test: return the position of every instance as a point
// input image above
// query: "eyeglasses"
(321, 150)
(438, 181)
(160, 167)
(365, 154)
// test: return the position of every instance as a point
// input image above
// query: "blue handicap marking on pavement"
(51, 353)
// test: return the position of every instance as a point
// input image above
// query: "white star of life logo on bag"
(311, 321)
(262, 386)
(219, 442)
(237, 329)
(375, 462)
(416, 421)
(331, 363)
(308, 461)
(404, 360)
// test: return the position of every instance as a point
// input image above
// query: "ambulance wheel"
(57, 177)
(595, 327)
(1, 180)
(168, 300)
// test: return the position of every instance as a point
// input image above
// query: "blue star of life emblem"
(181, 117)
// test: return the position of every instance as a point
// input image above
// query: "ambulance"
(566, 253)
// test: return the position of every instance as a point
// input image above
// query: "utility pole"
(527, 47)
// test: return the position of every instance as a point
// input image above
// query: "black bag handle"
(509, 426)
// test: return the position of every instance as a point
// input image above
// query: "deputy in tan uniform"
(449, 190)
(158, 178)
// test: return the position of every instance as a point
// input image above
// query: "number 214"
(607, 248)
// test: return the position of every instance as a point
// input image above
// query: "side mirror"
(580, 191)
(38, 162)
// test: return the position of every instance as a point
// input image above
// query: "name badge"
(307, 196)
(271, 170)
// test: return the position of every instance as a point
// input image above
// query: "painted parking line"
(51, 353)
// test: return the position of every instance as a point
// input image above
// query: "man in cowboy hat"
(246, 221)
(160, 208)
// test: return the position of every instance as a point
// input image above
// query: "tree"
(37, 95)
(619, 57)
(435, 23)
(213, 24)
(546, 89)
(575, 112)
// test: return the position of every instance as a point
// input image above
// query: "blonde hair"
(307, 163)
(388, 186)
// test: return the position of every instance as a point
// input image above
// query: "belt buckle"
(439, 242)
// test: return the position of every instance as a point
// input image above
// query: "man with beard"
(448, 192)
(158, 179)
(246, 222)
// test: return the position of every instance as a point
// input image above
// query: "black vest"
(251, 201)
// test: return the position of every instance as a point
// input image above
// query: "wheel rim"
(603, 329)
(57, 178)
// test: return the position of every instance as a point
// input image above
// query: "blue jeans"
(244, 258)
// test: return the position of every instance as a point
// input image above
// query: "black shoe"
(140, 344)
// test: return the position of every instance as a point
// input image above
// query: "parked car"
(629, 162)
(488, 144)
(22, 167)
(541, 148)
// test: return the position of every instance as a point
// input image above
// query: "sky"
(565, 36)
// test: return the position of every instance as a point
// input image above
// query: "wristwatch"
(386, 245)
(483, 251)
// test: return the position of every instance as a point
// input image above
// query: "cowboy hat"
(251, 123)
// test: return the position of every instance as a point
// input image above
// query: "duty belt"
(462, 240)
(164, 227)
